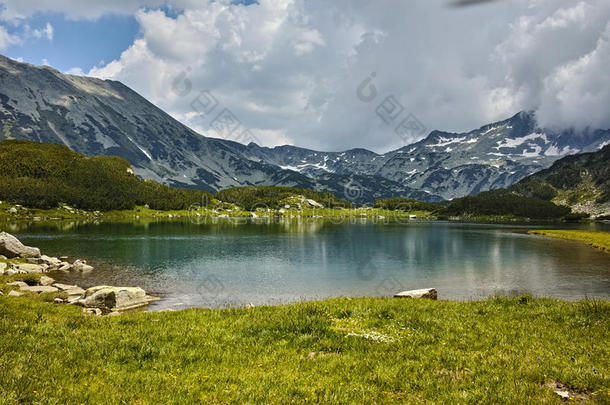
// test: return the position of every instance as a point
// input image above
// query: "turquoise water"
(231, 263)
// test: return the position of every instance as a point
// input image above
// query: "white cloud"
(7, 39)
(75, 71)
(46, 32)
(557, 58)
(289, 69)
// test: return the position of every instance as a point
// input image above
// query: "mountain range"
(104, 117)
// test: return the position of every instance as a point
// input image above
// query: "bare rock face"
(115, 298)
(430, 293)
(11, 247)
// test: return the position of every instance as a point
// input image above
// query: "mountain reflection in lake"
(235, 262)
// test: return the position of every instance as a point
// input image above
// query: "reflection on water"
(234, 262)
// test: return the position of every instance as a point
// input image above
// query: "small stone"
(14, 294)
(81, 266)
(19, 284)
(58, 300)
(92, 311)
(13, 210)
(30, 268)
(430, 293)
(75, 291)
(11, 272)
(44, 280)
(564, 395)
(74, 299)
(40, 289)
(64, 287)
(65, 267)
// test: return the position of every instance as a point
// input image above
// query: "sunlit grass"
(337, 351)
(600, 240)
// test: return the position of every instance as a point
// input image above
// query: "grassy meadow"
(499, 350)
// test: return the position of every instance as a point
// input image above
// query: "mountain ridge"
(104, 117)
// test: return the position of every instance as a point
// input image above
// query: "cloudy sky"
(314, 73)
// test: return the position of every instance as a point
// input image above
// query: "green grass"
(600, 240)
(139, 212)
(498, 350)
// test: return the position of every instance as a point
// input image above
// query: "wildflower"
(572, 358)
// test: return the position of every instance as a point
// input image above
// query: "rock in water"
(430, 293)
(11, 247)
(81, 266)
(115, 298)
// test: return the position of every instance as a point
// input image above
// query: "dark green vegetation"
(338, 351)
(406, 204)
(571, 180)
(505, 202)
(40, 175)
(45, 175)
(253, 197)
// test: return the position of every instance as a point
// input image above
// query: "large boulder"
(115, 298)
(430, 293)
(11, 247)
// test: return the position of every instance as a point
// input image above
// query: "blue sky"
(83, 43)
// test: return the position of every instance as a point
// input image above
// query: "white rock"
(430, 293)
(15, 294)
(40, 289)
(63, 287)
(10, 247)
(65, 267)
(115, 298)
(75, 291)
(44, 280)
(81, 266)
(30, 268)
(253, 215)
(19, 284)
(564, 395)
(92, 311)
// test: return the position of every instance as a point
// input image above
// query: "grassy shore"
(366, 350)
(196, 213)
(600, 240)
